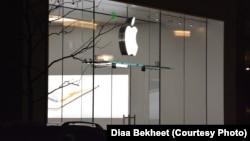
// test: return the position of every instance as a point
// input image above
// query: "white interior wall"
(139, 79)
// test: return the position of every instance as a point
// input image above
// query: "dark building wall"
(24, 56)
(243, 61)
(10, 55)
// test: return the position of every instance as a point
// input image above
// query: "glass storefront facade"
(176, 76)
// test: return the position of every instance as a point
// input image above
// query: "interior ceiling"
(111, 8)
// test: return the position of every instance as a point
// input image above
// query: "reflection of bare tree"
(70, 95)
(65, 84)
(36, 39)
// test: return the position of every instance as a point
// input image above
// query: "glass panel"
(55, 70)
(172, 54)
(86, 102)
(154, 81)
(75, 43)
(195, 71)
(120, 95)
(139, 92)
(215, 72)
(70, 37)
(104, 42)
(113, 86)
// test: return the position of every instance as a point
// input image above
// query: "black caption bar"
(178, 132)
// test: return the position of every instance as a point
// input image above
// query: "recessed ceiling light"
(182, 33)
(104, 57)
(191, 24)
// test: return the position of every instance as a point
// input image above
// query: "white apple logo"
(127, 38)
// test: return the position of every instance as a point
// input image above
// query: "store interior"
(175, 77)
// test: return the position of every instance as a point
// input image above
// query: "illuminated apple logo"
(127, 38)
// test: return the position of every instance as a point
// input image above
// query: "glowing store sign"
(127, 38)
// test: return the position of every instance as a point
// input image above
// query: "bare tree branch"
(63, 31)
(65, 84)
(31, 16)
(101, 47)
